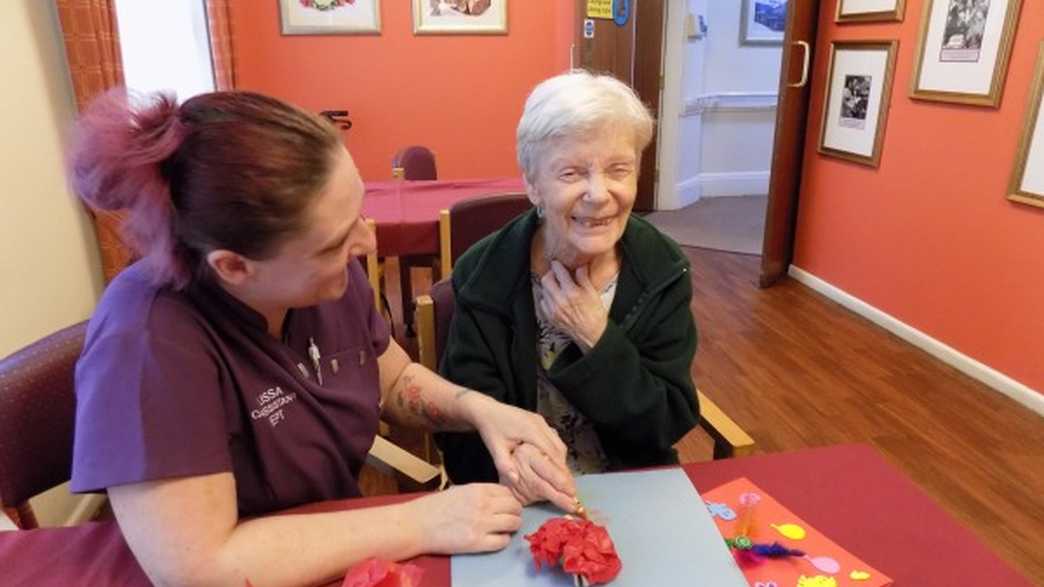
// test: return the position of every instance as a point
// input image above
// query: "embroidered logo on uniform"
(270, 405)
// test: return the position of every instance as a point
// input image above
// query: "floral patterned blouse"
(577, 432)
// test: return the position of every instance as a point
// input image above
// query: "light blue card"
(660, 525)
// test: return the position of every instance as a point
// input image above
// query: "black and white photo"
(855, 98)
(965, 27)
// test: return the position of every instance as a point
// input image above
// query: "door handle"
(804, 66)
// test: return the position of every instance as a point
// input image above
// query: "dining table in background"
(407, 212)
(848, 492)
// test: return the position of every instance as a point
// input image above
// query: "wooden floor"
(797, 370)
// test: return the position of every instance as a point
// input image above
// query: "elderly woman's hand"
(539, 479)
(574, 307)
(505, 428)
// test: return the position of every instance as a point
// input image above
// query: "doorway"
(733, 115)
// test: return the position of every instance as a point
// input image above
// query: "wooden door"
(788, 150)
(633, 53)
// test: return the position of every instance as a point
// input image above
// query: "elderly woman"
(577, 310)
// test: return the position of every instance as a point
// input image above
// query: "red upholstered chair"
(467, 222)
(37, 412)
(417, 163)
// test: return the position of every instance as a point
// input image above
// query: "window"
(165, 46)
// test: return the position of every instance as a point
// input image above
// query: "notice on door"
(600, 9)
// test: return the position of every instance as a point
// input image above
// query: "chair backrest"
(37, 415)
(468, 221)
(434, 312)
(417, 163)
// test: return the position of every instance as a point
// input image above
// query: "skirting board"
(689, 191)
(1019, 392)
(723, 184)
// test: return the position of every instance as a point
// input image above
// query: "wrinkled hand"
(574, 307)
(504, 428)
(479, 517)
(539, 478)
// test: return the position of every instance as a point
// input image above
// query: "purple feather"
(775, 550)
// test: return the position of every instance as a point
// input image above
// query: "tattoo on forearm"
(412, 399)
(461, 392)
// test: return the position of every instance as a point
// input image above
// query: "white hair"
(574, 104)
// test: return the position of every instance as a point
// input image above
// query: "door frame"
(779, 227)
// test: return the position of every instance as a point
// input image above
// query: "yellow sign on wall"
(600, 9)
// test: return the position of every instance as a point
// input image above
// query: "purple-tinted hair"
(225, 170)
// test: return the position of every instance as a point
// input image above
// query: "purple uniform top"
(174, 384)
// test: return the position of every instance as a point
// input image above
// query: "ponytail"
(116, 162)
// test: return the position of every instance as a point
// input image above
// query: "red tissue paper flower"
(381, 573)
(583, 548)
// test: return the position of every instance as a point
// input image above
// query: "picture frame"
(870, 10)
(330, 17)
(857, 98)
(460, 17)
(963, 50)
(763, 22)
(1027, 178)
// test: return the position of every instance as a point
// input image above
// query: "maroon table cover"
(848, 492)
(407, 212)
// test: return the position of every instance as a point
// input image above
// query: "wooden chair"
(435, 312)
(469, 221)
(414, 163)
(417, 163)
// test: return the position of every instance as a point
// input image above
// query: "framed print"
(963, 50)
(858, 92)
(460, 17)
(869, 10)
(330, 17)
(763, 22)
(1027, 180)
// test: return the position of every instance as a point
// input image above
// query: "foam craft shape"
(789, 571)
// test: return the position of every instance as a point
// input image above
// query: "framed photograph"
(858, 93)
(460, 17)
(869, 10)
(963, 50)
(763, 22)
(1027, 180)
(330, 17)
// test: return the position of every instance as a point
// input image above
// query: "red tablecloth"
(848, 492)
(407, 212)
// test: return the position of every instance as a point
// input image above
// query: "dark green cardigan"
(635, 385)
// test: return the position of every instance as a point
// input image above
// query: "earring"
(540, 211)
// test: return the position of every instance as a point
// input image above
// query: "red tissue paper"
(381, 573)
(582, 547)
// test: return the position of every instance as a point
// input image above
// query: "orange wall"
(459, 95)
(929, 237)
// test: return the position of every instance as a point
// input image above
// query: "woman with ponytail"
(240, 368)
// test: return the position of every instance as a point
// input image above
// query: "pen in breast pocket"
(313, 353)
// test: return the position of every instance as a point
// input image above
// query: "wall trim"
(1017, 391)
(730, 102)
(689, 191)
(733, 183)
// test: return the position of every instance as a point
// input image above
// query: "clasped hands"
(529, 456)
